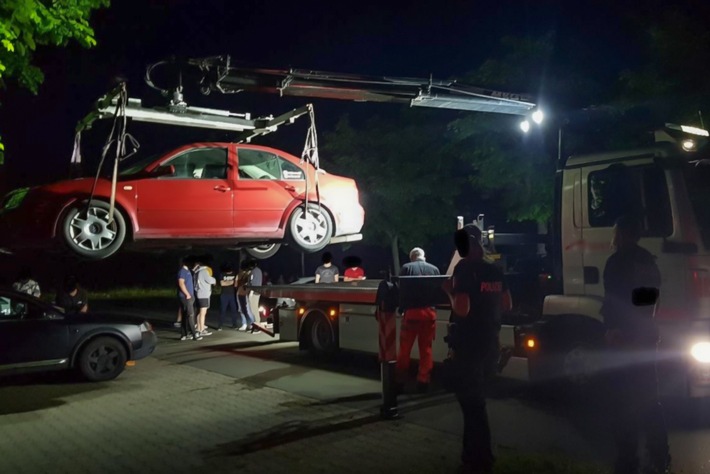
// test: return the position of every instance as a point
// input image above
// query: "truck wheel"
(321, 335)
(579, 364)
(310, 231)
(87, 232)
(102, 359)
(261, 252)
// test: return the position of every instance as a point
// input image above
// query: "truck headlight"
(701, 351)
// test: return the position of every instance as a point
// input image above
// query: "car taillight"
(699, 282)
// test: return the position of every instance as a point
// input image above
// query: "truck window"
(697, 177)
(621, 190)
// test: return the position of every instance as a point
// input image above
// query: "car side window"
(199, 163)
(258, 164)
(12, 309)
(639, 191)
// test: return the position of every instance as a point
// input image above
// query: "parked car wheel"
(261, 252)
(102, 359)
(310, 231)
(87, 231)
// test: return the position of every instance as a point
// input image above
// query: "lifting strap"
(118, 128)
(310, 155)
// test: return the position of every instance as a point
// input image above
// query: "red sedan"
(203, 193)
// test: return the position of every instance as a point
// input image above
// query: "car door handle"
(288, 187)
(223, 189)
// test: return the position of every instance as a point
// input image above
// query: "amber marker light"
(301, 311)
(531, 343)
(333, 312)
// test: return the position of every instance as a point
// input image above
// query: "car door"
(266, 185)
(195, 200)
(31, 334)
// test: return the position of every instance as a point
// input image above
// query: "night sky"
(444, 38)
(396, 38)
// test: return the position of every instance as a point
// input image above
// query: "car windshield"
(697, 177)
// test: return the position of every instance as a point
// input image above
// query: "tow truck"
(555, 330)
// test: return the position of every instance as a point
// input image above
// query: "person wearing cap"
(417, 323)
(478, 294)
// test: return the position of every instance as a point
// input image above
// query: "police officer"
(632, 336)
(478, 294)
(418, 322)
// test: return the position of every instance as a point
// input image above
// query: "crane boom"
(220, 76)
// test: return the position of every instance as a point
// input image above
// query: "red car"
(203, 193)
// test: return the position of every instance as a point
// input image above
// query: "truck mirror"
(644, 296)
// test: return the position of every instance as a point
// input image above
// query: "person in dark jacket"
(478, 294)
(632, 336)
(72, 297)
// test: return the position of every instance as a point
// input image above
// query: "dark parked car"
(37, 336)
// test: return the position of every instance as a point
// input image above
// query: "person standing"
(186, 297)
(242, 285)
(72, 297)
(327, 272)
(417, 323)
(25, 283)
(478, 294)
(632, 335)
(257, 280)
(228, 296)
(203, 289)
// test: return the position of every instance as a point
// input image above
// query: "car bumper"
(149, 341)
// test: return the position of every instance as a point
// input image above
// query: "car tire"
(93, 237)
(262, 252)
(310, 231)
(102, 359)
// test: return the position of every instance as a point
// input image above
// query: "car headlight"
(701, 351)
(146, 326)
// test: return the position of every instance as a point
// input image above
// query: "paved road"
(242, 402)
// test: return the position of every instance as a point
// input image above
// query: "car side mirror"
(168, 170)
(644, 296)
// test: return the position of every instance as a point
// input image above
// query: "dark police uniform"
(474, 343)
(634, 399)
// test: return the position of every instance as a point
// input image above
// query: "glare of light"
(301, 311)
(538, 117)
(525, 126)
(695, 130)
(530, 343)
(701, 351)
(688, 144)
(332, 313)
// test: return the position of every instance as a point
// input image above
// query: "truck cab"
(668, 190)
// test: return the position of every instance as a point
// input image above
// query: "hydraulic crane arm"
(219, 75)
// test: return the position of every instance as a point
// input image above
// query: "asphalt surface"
(239, 402)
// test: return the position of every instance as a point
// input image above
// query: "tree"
(27, 24)
(406, 174)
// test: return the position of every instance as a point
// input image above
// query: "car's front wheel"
(86, 230)
(310, 231)
(261, 252)
(102, 359)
